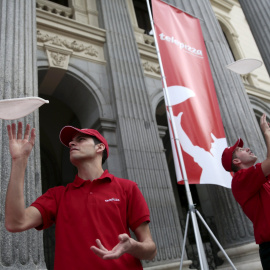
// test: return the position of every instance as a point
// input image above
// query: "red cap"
(228, 153)
(68, 132)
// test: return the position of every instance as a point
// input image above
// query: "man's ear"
(236, 161)
(100, 147)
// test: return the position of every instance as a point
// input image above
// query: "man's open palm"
(20, 145)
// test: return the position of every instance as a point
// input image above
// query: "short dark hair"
(234, 167)
(104, 154)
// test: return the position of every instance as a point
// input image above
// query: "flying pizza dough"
(15, 108)
(244, 66)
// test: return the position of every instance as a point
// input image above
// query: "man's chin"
(74, 160)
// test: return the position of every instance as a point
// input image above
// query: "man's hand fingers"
(106, 255)
(100, 245)
(116, 252)
(263, 117)
(112, 255)
(26, 132)
(123, 237)
(263, 123)
(19, 133)
(33, 136)
(14, 134)
(100, 250)
(13, 130)
(97, 251)
(9, 132)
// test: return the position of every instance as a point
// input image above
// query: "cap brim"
(67, 133)
(239, 143)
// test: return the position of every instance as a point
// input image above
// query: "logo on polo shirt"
(112, 200)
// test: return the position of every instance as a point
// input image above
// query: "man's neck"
(246, 166)
(90, 171)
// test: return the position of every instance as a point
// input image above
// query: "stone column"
(18, 78)
(139, 145)
(234, 229)
(258, 18)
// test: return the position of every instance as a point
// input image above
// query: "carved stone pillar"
(258, 18)
(18, 78)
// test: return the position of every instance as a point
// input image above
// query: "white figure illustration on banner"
(212, 170)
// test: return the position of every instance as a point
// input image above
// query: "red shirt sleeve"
(47, 204)
(137, 209)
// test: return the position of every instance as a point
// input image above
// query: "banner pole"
(200, 249)
(184, 242)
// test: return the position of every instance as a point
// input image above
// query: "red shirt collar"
(79, 181)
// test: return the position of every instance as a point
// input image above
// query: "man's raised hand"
(20, 145)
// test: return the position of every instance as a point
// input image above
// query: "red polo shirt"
(84, 211)
(251, 190)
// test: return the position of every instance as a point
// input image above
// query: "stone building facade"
(96, 63)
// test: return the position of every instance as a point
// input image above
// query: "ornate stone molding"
(250, 79)
(149, 58)
(151, 68)
(259, 106)
(84, 41)
(224, 5)
(149, 40)
(58, 57)
(257, 92)
(64, 45)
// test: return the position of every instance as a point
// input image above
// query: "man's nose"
(71, 143)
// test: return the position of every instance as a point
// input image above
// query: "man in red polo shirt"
(251, 188)
(92, 215)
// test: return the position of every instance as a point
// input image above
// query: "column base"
(29, 266)
(171, 266)
(245, 257)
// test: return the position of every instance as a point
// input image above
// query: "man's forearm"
(15, 204)
(266, 132)
(143, 250)
(267, 140)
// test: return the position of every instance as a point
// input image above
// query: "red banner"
(192, 96)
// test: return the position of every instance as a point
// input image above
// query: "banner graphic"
(192, 96)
